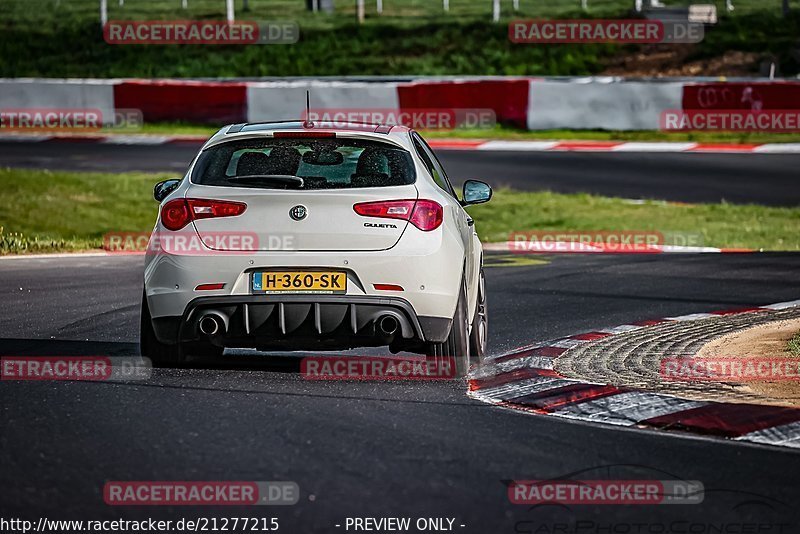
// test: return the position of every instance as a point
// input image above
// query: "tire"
(160, 354)
(456, 346)
(479, 332)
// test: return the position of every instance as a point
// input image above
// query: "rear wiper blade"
(284, 179)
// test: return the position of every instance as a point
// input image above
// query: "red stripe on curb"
(727, 96)
(553, 399)
(455, 144)
(174, 100)
(548, 351)
(591, 336)
(586, 145)
(442, 144)
(723, 147)
(736, 311)
(77, 139)
(507, 98)
(511, 376)
(729, 420)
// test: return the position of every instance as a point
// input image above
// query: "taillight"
(426, 215)
(179, 212)
(298, 135)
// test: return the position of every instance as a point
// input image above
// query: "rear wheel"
(161, 354)
(455, 349)
(479, 333)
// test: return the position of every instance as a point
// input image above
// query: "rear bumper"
(303, 322)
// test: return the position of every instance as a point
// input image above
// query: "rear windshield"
(322, 163)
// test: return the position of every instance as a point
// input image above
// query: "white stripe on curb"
(525, 387)
(517, 146)
(654, 147)
(465, 144)
(137, 139)
(779, 148)
(627, 409)
(787, 435)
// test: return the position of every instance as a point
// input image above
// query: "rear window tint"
(322, 163)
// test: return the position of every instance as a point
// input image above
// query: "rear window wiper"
(280, 179)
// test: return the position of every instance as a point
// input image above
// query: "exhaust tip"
(388, 324)
(209, 325)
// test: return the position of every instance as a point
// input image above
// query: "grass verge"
(793, 346)
(63, 39)
(502, 132)
(44, 211)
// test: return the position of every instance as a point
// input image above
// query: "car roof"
(390, 133)
(314, 126)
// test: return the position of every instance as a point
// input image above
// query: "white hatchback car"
(301, 236)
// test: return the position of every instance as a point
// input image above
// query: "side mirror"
(164, 188)
(476, 192)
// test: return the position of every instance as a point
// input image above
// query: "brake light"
(179, 212)
(303, 134)
(425, 214)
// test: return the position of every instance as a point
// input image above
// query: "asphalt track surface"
(769, 179)
(372, 449)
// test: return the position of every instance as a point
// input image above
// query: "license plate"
(300, 282)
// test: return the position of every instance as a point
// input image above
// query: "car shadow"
(236, 359)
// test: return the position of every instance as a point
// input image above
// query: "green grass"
(793, 346)
(62, 38)
(45, 211)
(720, 225)
(509, 133)
(63, 211)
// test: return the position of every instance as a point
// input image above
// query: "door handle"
(470, 221)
